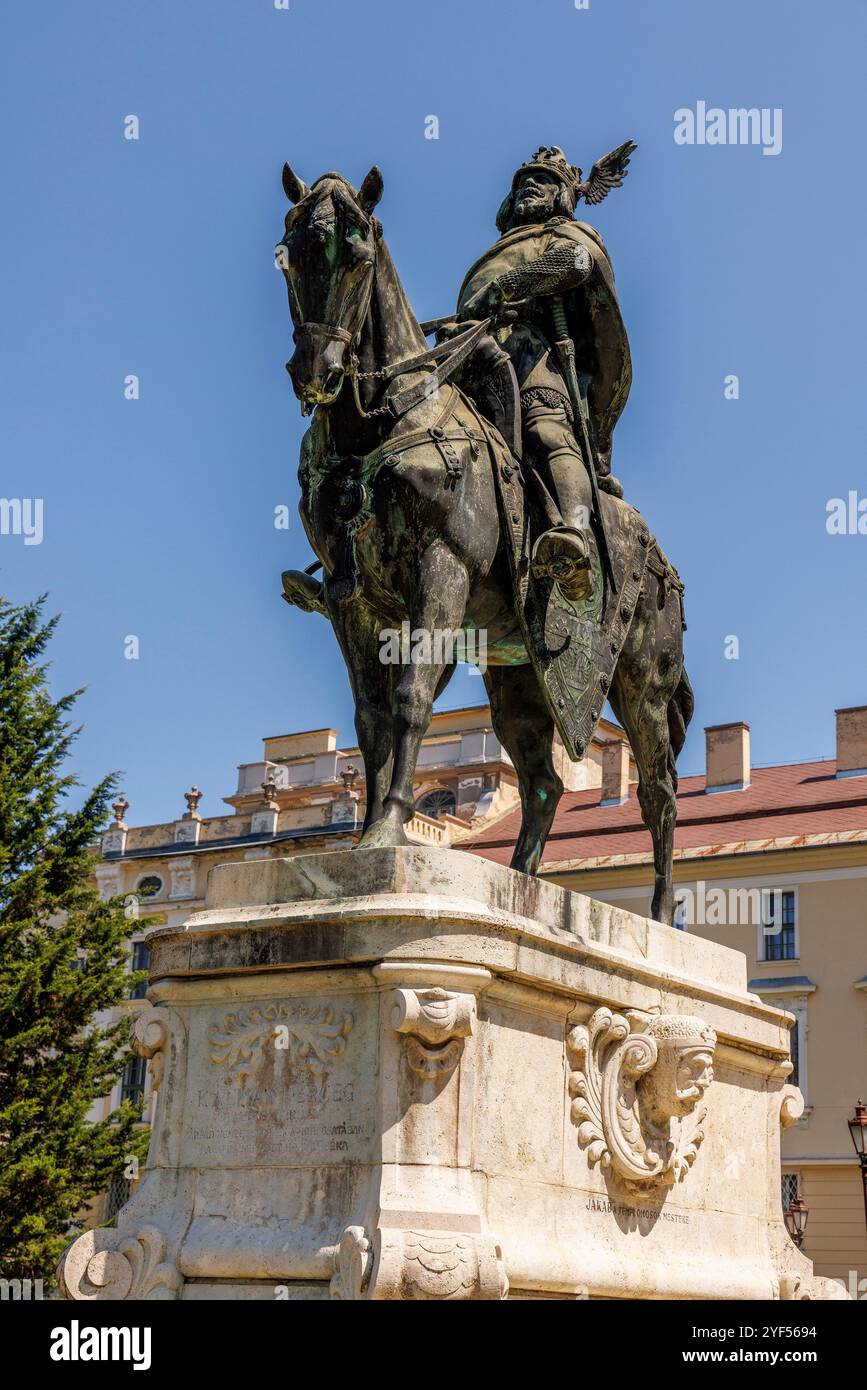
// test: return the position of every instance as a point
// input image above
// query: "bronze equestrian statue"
(468, 486)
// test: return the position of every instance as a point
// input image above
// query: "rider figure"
(543, 252)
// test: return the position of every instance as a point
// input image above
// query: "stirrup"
(563, 555)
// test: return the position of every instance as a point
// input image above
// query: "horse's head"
(328, 256)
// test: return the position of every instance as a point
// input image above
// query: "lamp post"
(796, 1219)
(858, 1131)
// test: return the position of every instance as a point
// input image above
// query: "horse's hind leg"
(526, 730)
(650, 695)
(438, 609)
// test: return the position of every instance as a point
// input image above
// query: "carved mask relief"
(636, 1090)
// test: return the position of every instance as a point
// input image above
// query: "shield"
(575, 646)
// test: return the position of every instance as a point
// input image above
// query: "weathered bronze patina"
(468, 486)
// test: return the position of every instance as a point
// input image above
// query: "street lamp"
(796, 1219)
(858, 1131)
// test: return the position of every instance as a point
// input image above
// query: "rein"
(445, 358)
(454, 351)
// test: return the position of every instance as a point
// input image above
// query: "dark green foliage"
(63, 959)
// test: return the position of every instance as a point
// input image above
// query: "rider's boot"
(563, 552)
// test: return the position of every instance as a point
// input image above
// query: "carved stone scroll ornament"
(636, 1093)
(352, 1264)
(412, 1265)
(149, 1037)
(108, 1264)
(806, 1289)
(791, 1106)
(313, 1038)
(436, 1022)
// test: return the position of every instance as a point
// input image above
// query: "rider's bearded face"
(535, 197)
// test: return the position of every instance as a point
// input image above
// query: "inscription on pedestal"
(603, 1205)
(277, 1082)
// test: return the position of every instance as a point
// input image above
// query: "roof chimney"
(728, 757)
(852, 741)
(615, 773)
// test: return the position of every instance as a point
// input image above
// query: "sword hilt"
(558, 314)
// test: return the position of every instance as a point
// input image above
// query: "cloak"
(592, 313)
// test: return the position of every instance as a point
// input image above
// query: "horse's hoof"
(385, 834)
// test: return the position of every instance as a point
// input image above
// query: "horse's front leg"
(373, 727)
(357, 631)
(437, 611)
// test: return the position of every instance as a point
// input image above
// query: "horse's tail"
(680, 712)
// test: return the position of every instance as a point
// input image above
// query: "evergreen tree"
(62, 960)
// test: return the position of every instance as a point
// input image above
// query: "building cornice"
(782, 984)
(840, 850)
(303, 832)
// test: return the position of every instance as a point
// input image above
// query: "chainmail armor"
(543, 395)
(558, 269)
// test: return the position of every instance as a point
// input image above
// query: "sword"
(566, 352)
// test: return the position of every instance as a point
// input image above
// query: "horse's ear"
(294, 188)
(370, 191)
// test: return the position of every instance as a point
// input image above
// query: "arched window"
(437, 803)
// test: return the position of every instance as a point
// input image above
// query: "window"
(438, 803)
(149, 886)
(118, 1195)
(794, 1001)
(790, 1187)
(778, 925)
(133, 1082)
(140, 960)
(795, 1052)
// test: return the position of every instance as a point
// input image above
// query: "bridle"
(445, 357)
(336, 331)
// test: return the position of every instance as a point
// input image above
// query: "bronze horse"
(399, 504)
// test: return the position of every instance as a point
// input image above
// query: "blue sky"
(154, 257)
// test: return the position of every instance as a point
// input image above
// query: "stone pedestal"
(399, 1074)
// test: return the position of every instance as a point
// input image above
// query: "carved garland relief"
(314, 1038)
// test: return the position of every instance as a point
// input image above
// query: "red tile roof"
(797, 803)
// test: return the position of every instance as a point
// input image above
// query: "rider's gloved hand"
(485, 304)
(449, 330)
